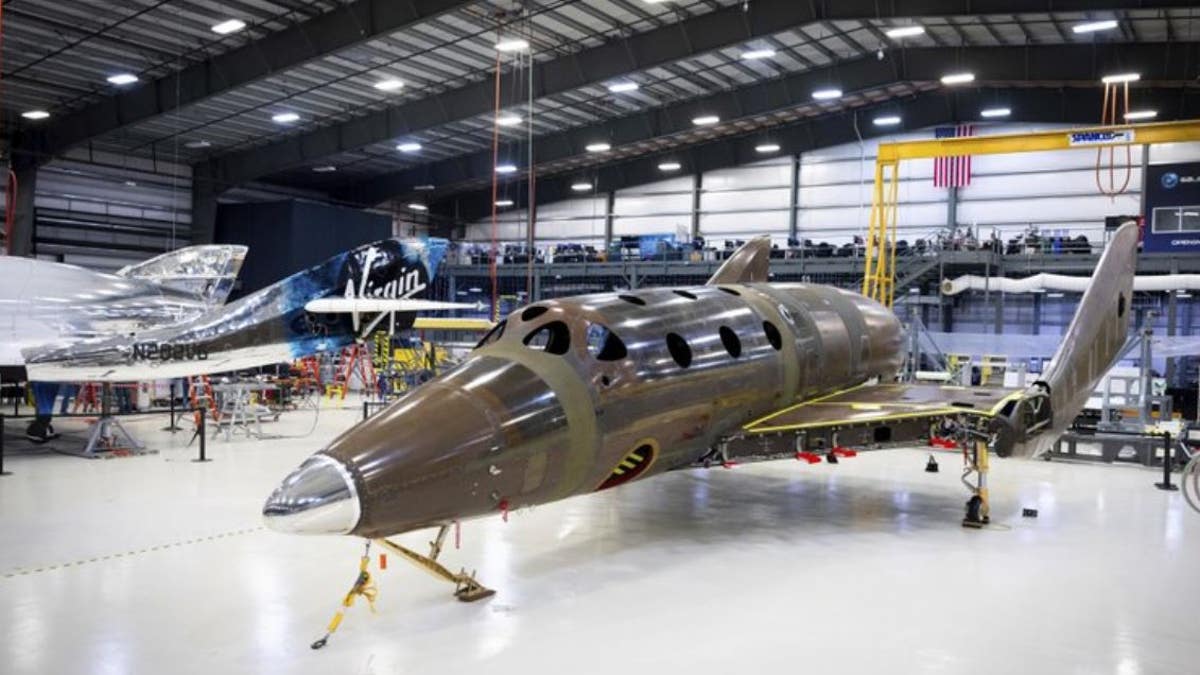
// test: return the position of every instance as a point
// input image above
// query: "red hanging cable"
(495, 193)
(10, 193)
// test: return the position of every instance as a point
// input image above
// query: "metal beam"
(1072, 106)
(1046, 63)
(701, 34)
(1050, 64)
(336, 30)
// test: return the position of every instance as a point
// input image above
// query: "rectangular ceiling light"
(766, 148)
(705, 120)
(1117, 78)
(622, 87)
(229, 27)
(1093, 26)
(958, 78)
(121, 79)
(887, 121)
(390, 84)
(508, 120)
(756, 54)
(670, 166)
(827, 94)
(285, 118)
(581, 187)
(411, 146)
(598, 147)
(506, 168)
(418, 207)
(905, 31)
(328, 168)
(504, 202)
(512, 45)
(1141, 114)
(35, 114)
(995, 112)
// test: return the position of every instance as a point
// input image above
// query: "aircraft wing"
(375, 305)
(451, 323)
(872, 405)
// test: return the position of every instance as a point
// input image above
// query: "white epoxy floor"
(159, 565)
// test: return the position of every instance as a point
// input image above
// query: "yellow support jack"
(362, 587)
(978, 509)
(466, 587)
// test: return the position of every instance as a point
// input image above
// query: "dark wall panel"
(287, 236)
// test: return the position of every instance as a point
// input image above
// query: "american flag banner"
(953, 171)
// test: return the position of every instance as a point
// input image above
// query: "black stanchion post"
(172, 427)
(2, 471)
(1167, 461)
(203, 437)
(366, 410)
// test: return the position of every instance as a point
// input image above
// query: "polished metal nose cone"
(317, 498)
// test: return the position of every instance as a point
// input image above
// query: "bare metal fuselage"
(550, 407)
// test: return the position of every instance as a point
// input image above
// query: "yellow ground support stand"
(362, 587)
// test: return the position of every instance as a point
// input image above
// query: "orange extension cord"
(1110, 114)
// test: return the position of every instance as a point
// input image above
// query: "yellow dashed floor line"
(20, 572)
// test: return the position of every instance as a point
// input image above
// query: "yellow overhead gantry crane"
(879, 277)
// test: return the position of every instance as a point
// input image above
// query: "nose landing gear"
(466, 587)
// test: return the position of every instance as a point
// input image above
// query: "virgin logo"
(406, 284)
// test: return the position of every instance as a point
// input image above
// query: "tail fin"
(1090, 346)
(206, 272)
(749, 264)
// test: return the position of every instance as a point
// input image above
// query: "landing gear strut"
(466, 587)
(975, 456)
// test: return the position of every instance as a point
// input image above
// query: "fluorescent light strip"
(328, 168)
(506, 169)
(622, 87)
(391, 84)
(228, 27)
(581, 187)
(1141, 114)
(1118, 78)
(756, 54)
(705, 120)
(766, 148)
(670, 166)
(508, 120)
(121, 79)
(958, 78)
(995, 112)
(504, 202)
(827, 94)
(418, 207)
(35, 114)
(512, 45)
(285, 118)
(905, 31)
(409, 147)
(598, 147)
(887, 121)
(1093, 26)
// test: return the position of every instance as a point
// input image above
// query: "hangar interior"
(241, 232)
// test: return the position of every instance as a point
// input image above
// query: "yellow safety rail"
(879, 276)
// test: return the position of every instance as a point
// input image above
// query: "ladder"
(353, 360)
(200, 393)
